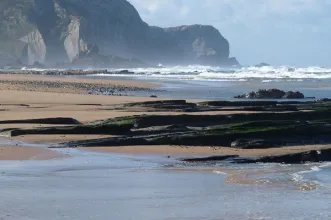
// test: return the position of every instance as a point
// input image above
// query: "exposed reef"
(274, 125)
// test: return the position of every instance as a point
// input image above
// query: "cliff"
(49, 31)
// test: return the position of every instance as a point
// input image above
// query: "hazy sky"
(291, 32)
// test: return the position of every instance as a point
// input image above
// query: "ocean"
(205, 82)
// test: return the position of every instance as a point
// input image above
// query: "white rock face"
(72, 40)
(36, 47)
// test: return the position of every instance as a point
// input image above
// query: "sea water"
(109, 186)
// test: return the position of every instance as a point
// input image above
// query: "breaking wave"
(307, 179)
(265, 74)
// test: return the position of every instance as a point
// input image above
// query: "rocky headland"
(102, 34)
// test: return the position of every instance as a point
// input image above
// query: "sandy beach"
(20, 102)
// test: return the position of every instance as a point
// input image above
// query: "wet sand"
(202, 151)
(28, 153)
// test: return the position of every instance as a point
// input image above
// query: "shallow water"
(110, 186)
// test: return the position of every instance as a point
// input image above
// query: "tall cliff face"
(56, 30)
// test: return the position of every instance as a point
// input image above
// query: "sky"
(279, 32)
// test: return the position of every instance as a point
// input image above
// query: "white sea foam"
(266, 74)
(207, 73)
(299, 177)
(312, 169)
(219, 172)
(325, 165)
(296, 177)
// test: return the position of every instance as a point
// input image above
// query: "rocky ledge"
(312, 156)
(294, 123)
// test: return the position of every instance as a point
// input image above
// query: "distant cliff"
(49, 31)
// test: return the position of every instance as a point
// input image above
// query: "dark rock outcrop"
(313, 156)
(296, 158)
(271, 94)
(262, 65)
(293, 95)
(55, 31)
